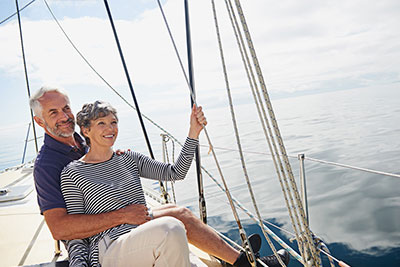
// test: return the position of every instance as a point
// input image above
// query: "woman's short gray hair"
(93, 111)
(34, 102)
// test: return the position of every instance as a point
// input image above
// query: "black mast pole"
(165, 194)
(202, 201)
(26, 74)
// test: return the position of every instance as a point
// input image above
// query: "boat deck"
(25, 239)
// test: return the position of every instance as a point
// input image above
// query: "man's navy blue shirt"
(51, 160)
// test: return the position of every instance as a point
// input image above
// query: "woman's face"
(103, 131)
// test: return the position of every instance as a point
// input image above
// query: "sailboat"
(18, 191)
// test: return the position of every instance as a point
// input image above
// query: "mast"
(26, 74)
(164, 192)
(202, 201)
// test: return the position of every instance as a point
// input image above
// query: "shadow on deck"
(51, 264)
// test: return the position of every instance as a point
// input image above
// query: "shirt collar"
(57, 145)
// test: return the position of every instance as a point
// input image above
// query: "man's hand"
(64, 226)
(120, 152)
(135, 214)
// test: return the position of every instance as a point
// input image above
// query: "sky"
(304, 47)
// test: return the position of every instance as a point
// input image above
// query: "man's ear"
(39, 121)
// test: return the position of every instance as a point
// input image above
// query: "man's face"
(57, 118)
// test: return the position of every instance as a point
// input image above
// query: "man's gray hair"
(34, 102)
(93, 111)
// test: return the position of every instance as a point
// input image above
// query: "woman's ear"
(85, 131)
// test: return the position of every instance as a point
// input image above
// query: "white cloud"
(300, 45)
(307, 46)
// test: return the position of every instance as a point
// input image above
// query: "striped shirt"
(93, 188)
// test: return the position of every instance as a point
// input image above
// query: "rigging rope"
(15, 13)
(272, 234)
(164, 141)
(26, 74)
(306, 246)
(237, 133)
(290, 250)
(322, 247)
(257, 99)
(164, 193)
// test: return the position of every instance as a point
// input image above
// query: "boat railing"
(28, 164)
(349, 166)
(303, 188)
(304, 157)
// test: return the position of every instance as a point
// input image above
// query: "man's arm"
(64, 226)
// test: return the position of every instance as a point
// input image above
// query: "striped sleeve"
(149, 168)
(73, 196)
(78, 252)
(78, 249)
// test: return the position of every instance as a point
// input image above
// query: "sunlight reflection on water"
(356, 209)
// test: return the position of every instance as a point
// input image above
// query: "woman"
(102, 181)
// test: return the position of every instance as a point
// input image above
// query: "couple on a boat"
(92, 196)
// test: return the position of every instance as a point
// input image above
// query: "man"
(62, 145)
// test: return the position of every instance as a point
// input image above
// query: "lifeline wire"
(332, 163)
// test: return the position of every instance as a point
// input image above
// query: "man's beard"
(62, 133)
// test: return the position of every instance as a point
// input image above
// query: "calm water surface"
(356, 213)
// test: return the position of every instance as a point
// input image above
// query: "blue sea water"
(356, 213)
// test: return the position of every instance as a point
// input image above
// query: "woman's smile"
(103, 131)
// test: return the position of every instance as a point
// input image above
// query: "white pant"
(159, 242)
